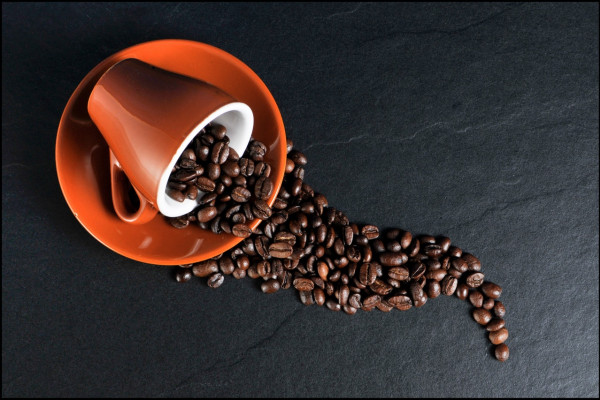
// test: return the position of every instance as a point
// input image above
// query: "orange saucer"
(82, 157)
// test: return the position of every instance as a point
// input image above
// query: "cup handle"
(123, 202)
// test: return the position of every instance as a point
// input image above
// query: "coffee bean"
(261, 209)
(371, 301)
(240, 194)
(501, 352)
(475, 279)
(263, 188)
(226, 265)
(491, 290)
(270, 286)
(303, 284)
(333, 305)
(319, 296)
(370, 232)
(398, 273)
(416, 268)
(499, 309)
(482, 316)
(488, 303)
(367, 274)
(391, 259)
(205, 184)
(473, 262)
(433, 289)
(444, 243)
(380, 287)
(239, 273)
(246, 166)
(297, 157)
(206, 214)
(476, 299)
(183, 274)
(499, 336)
(495, 324)
(449, 284)
(432, 250)
(206, 268)
(220, 152)
(436, 274)
(215, 280)
(462, 291)
(257, 150)
(179, 222)
(178, 186)
(280, 250)
(175, 194)
(241, 230)
(459, 264)
(401, 302)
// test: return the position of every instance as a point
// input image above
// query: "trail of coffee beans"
(306, 244)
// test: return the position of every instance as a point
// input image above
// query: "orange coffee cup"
(148, 116)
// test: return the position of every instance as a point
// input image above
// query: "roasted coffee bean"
(298, 157)
(426, 239)
(219, 153)
(501, 352)
(261, 209)
(459, 264)
(475, 279)
(444, 243)
(401, 302)
(367, 274)
(280, 250)
(175, 194)
(482, 316)
(214, 172)
(183, 274)
(191, 192)
(226, 265)
(473, 262)
(488, 303)
(240, 194)
(499, 336)
(261, 245)
(353, 254)
(449, 284)
(215, 280)
(270, 286)
(370, 232)
(499, 309)
(257, 150)
(205, 268)
(206, 214)
(371, 301)
(416, 291)
(303, 284)
(263, 187)
(380, 287)
(246, 166)
(354, 300)
(205, 184)
(495, 324)
(491, 290)
(476, 299)
(391, 259)
(344, 294)
(432, 250)
(436, 274)
(416, 268)
(405, 239)
(179, 222)
(262, 169)
(239, 273)
(462, 291)
(433, 289)
(289, 166)
(319, 296)
(333, 305)
(178, 186)
(184, 175)
(241, 230)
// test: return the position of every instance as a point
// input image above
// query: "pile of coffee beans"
(306, 244)
(235, 188)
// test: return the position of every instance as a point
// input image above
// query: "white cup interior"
(238, 119)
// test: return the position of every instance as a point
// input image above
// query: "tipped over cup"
(148, 116)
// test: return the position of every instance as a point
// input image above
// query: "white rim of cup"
(238, 120)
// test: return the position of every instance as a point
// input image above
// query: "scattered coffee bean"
(501, 352)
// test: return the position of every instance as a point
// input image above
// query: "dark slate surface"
(479, 122)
